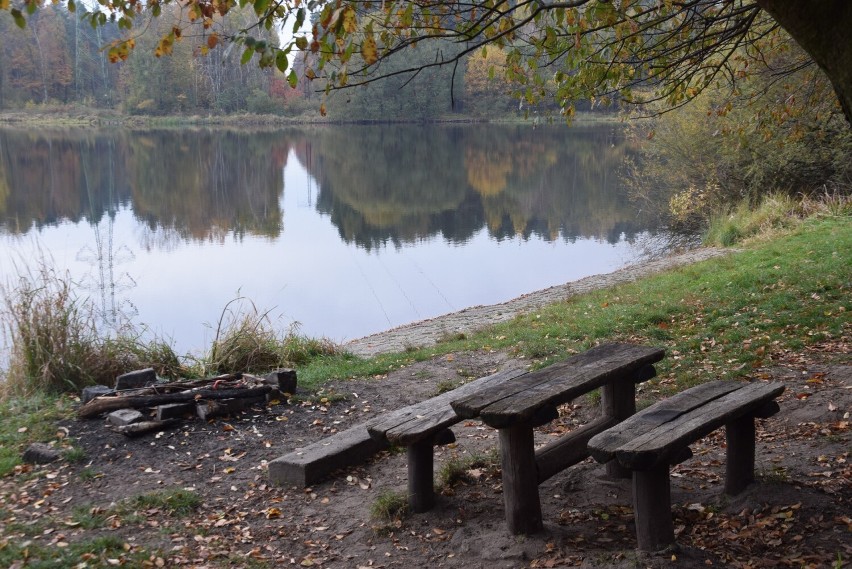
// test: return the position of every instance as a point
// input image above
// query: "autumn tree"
(485, 89)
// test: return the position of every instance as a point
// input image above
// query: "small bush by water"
(247, 341)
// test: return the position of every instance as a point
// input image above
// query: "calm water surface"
(346, 230)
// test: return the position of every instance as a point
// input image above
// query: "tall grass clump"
(773, 213)
(51, 334)
(247, 341)
(54, 342)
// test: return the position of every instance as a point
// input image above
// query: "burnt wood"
(104, 404)
(517, 401)
(224, 407)
(422, 420)
(145, 427)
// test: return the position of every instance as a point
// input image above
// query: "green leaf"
(302, 43)
(20, 21)
(260, 6)
(292, 79)
(72, 7)
(247, 55)
(281, 61)
(300, 19)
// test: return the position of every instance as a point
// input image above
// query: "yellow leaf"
(369, 51)
(350, 22)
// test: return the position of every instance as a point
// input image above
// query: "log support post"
(739, 462)
(520, 480)
(652, 508)
(618, 402)
(421, 490)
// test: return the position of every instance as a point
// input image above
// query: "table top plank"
(518, 400)
(419, 420)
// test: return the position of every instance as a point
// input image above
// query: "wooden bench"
(530, 400)
(659, 436)
(420, 427)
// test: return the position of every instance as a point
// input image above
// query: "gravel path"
(428, 332)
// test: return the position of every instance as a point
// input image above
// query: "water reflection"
(148, 216)
(399, 185)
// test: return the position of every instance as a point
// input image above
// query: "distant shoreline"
(83, 117)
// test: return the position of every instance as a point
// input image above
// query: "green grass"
(96, 552)
(457, 469)
(389, 506)
(176, 503)
(28, 420)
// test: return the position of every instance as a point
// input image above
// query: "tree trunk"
(822, 28)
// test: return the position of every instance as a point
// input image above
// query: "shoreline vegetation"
(77, 116)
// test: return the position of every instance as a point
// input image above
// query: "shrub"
(770, 136)
(247, 341)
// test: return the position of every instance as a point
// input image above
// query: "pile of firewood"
(166, 404)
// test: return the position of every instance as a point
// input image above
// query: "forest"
(58, 58)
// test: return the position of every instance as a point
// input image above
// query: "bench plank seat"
(607, 443)
(518, 401)
(422, 425)
(650, 445)
(419, 421)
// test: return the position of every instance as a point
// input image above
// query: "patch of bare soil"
(798, 514)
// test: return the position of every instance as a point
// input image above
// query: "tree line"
(58, 58)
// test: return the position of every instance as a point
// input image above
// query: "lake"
(345, 230)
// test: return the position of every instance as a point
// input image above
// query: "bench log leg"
(421, 487)
(520, 480)
(652, 508)
(739, 461)
(618, 401)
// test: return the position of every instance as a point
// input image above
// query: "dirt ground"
(798, 514)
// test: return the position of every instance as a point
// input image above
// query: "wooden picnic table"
(515, 408)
